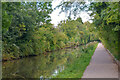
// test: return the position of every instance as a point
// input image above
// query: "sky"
(56, 17)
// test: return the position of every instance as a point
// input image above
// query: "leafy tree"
(27, 30)
(106, 20)
(20, 21)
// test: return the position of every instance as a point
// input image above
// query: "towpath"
(102, 65)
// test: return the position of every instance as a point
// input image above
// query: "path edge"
(116, 61)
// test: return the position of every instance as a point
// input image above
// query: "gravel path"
(101, 66)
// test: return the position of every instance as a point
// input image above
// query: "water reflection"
(43, 66)
(59, 69)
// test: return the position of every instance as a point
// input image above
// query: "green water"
(43, 66)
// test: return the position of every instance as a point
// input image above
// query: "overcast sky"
(56, 17)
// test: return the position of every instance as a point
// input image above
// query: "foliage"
(27, 30)
(71, 7)
(106, 21)
(20, 21)
(77, 32)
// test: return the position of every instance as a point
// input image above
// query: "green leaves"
(6, 21)
(106, 21)
(20, 21)
(26, 25)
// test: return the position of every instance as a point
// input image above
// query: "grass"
(78, 66)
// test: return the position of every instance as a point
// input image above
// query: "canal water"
(42, 66)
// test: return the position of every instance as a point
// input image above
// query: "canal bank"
(55, 64)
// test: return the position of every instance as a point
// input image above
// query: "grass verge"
(78, 66)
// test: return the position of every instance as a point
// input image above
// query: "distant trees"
(76, 31)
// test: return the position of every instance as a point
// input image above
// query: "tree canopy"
(106, 22)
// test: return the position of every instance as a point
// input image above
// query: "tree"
(105, 22)
(20, 21)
